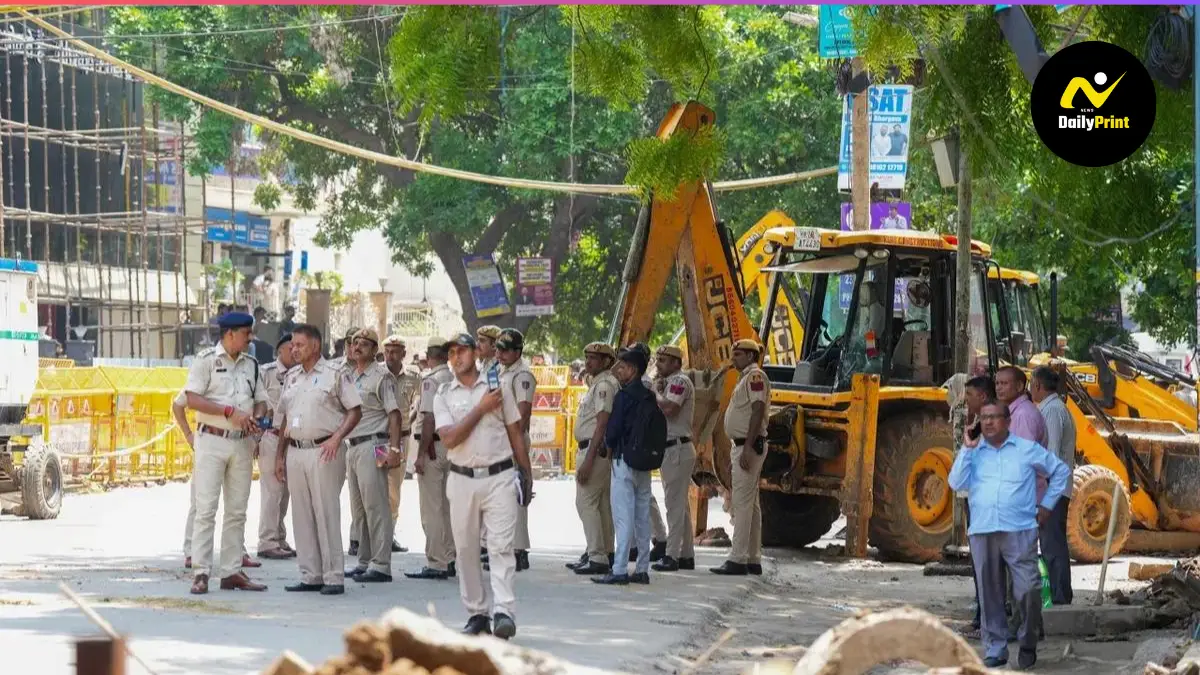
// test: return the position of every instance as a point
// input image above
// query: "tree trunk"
(962, 293)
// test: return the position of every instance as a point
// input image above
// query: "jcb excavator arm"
(756, 253)
(684, 234)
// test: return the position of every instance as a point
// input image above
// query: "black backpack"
(648, 442)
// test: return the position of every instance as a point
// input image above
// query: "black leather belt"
(379, 436)
(679, 441)
(482, 471)
(417, 437)
(758, 444)
(307, 444)
(221, 433)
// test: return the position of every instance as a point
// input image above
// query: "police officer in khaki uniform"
(372, 449)
(273, 494)
(518, 378)
(481, 426)
(408, 382)
(676, 398)
(225, 389)
(593, 467)
(746, 426)
(485, 339)
(432, 471)
(318, 408)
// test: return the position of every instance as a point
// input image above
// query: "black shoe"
(731, 569)
(427, 573)
(639, 578)
(632, 554)
(1026, 658)
(612, 580)
(373, 577)
(687, 563)
(353, 550)
(583, 560)
(503, 626)
(755, 569)
(522, 560)
(995, 662)
(593, 568)
(450, 570)
(303, 588)
(612, 559)
(355, 572)
(667, 564)
(333, 590)
(397, 548)
(658, 551)
(483, 556)
(478, 625)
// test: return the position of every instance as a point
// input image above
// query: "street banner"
(487, 289)
(889, 121)
(535, 286)
(835, 34)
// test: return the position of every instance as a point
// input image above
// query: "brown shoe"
(275, 554)
(247, 561)
(240, 582)
(200, 584)
(187, 563)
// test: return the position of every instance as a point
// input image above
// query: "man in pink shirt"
(1027, 420)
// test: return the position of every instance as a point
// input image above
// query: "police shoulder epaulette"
(250, 356)
(207, 352)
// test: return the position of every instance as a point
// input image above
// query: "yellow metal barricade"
(55, 363)
(74, 408)
(142, 412)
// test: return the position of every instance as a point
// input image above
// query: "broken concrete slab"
(1190, 656)
(1084, 620)
(1159, 651)
(1148, 571)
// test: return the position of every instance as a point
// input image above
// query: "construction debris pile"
(1172, 599)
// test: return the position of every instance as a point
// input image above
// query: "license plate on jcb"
(808, 239)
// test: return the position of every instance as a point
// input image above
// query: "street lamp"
(806, 20)
(945, 156)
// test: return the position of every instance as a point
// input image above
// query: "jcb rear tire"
(795, 521)
(895, 530)
(41, 483)
(1089, 511)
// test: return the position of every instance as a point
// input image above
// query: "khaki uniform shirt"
(488, 442)
(225, 381)
(599, 398)
(751, 388)
(408, 382)
(522, 383)
(678, 389)
(316, 401)
(433, 379)
(377, 388)
(274, 375)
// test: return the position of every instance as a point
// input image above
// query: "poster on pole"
(487, 289)
(889, 118)
(535, 286)
(835, 34)
(884, 216)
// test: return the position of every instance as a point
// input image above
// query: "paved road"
(121, 550)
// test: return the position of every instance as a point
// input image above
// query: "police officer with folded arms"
(372, 449)
(490, 479)
(318, 408)
(225, 389)
(432, 472)
(746, 426)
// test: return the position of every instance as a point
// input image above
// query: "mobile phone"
(493, 378)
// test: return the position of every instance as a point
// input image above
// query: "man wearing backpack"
(636, 435)
(746, 426)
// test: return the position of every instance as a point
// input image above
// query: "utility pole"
(962, 291)
(860, 151)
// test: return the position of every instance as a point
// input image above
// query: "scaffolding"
(96, 192)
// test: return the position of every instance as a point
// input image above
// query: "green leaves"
(661, 166)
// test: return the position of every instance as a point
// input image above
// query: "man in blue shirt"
(999, 473)
(630, 491)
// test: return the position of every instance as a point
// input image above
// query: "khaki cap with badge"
(600, 349)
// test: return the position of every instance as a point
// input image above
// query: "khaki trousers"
(676, 472)
(658, 528)
(395, 480)
(489, 502)
(191, 519)
(521, 538)
(369, 506)
(316, 490)
(435, 512)
(222, 467)
(747, 515)
(593, 503)
(273, 496)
